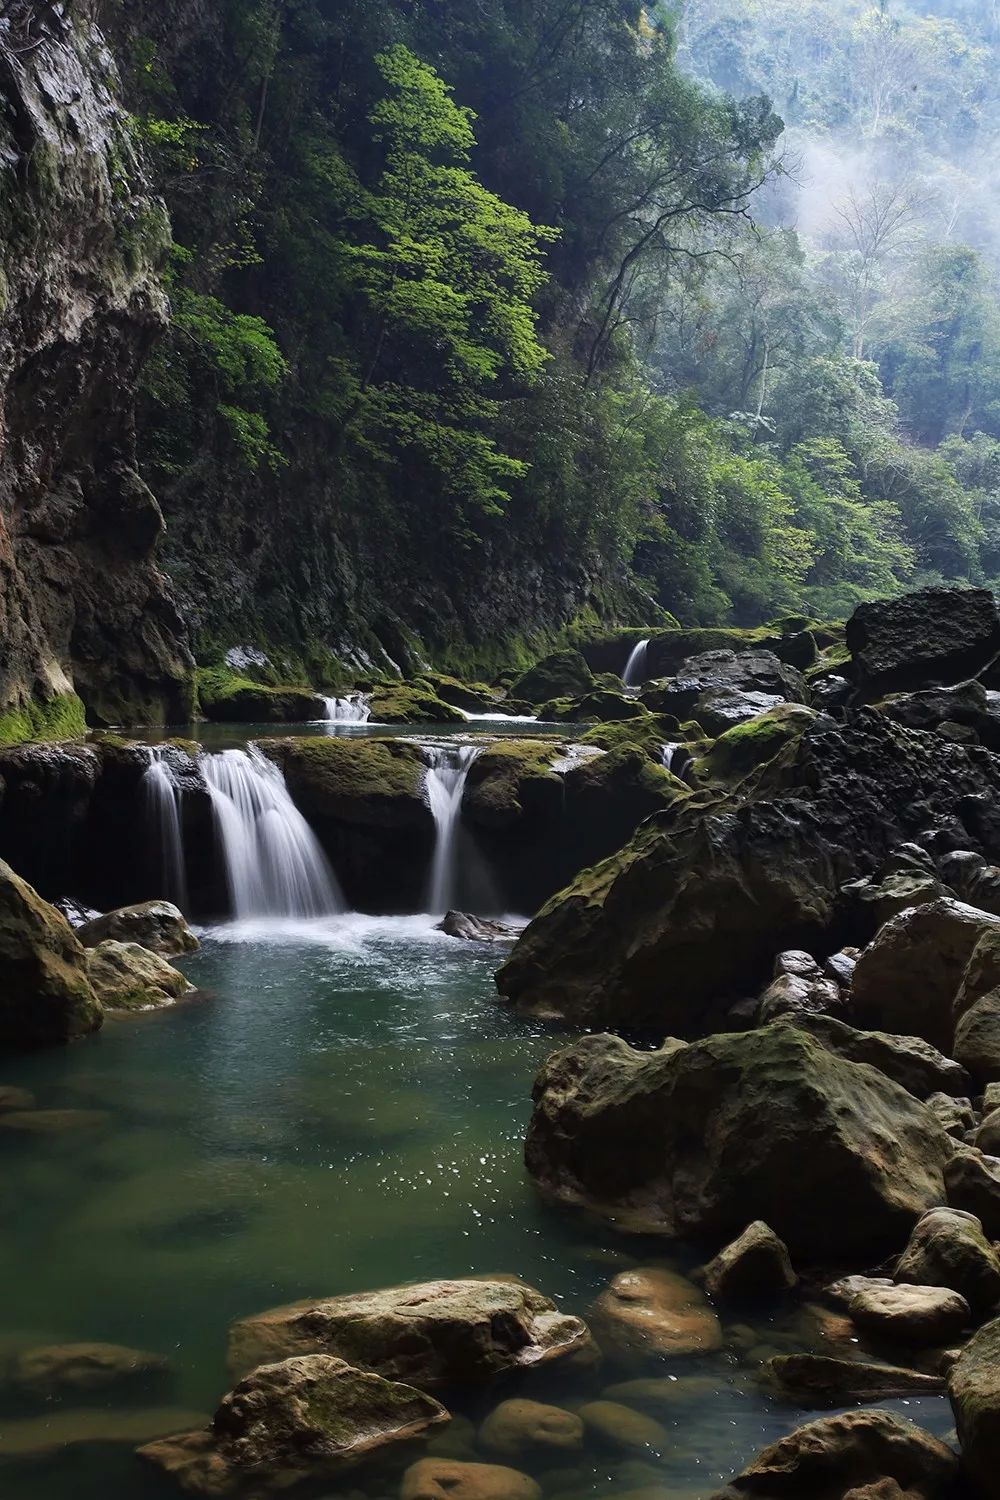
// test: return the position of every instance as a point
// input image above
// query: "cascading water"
(635, 668)
(163, 801)
(678, 759)
(354, 709)
(274, 864)
(447, 772)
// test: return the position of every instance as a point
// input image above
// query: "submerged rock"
(157, 925)
(126, 976)
(624, 1428)
(438, 1333)
(74, 1369)
(820, 1380)
(698, 1141)
(45, 993)
(756, 1266)
(305, 1418)
(518, 1428)
(838, 1458)
(974, 1389)
(651, 1314)
(450, 1479)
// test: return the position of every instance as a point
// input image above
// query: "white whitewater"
(274, 864)
(354, 709)
(635, 668)
(163, 800)
(447, 772)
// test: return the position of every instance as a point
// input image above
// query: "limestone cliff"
(85, 613)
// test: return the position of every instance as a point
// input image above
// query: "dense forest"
(561, 306)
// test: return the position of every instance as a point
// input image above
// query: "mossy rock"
(745, 747)
(564, 674)
(227, 698)
(126, 976)
(833, 661)
(411, 703)
(620, 789)
(473, 697)
(513, 780)
(372, 782)
(599, 706)
(648, 733)
(45, 994)
(58, 718)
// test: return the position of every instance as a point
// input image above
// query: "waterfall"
(274, 864)
(163, 801)
(635, 668)
(677, 758)
(447, 772)
(354, 709)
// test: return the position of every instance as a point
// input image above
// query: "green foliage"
(59, 718)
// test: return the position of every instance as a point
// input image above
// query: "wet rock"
(720, 709)
(698, 1141)
(304, 1418)
(977, 1038)
(649, 1314)
(822, 1381)
(437, 1333)
(948, 1249)
(714, 680)
(922, 640)
(908, 979)
(519, 1428)
(908, 1060)
(755, 1266)
(460, 924)
(75, 1369)
(920, 1316)
(844, 1291)
(798, 988)
(411, 703)
(840, 967)
(60, 1429)
(663, 1394)
(877, 901)
(747, 747)
(623, 1428)
(563, 674)
(972, 1182)
(966, 707)
(974, 1389)
(846, 1457)
(45, 994)
(448, 1479)
(126, 976)
(982, 972)
(157, 925)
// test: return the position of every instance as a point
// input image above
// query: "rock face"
(440, 1333)
(908, 1060)
(908, 979)
(126, 976)
(932, 638)
(838, 1457)
(651, 1314)
(693, 910)
(45, 993)
(304, 1418)
(698, 1141)
(157, 925)
(84, 612)
(975, 1398)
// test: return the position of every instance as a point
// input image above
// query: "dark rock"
(714, 679)
(921, 1316)
(908, 1060)
(878, 900)
(723, 708)
(819, 1380)
(45, 993)
(858, 1456)
(928, 639)
(564, 674)
(948, 1249)
(840, 967)
(438, 1333)
(699, 1141)
(459, 924)
(987, 1137)
(977, 1038)
(802, 990)
(974, 1390)
(157, 925)
(972, 1182)
(754, 1267)
(956, 1115)
(965, 707)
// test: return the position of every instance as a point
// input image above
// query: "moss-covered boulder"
(157, 925)
(513, 781)
(126, 976)
(440, 1333)
(45, 993)
(411, 703)
(648, 732)
(754, 743)
(698, 1141)
(473, 697)
(564, 674)
(601, 705)
(224, 697)
(303, 1419)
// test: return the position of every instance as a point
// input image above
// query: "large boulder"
(908, 979)
(977, 1038)
(435, 1334)
(838, 1457)
(928, 639)
(968, 705)
(157, 925)
(704, 684)
(819, 1380)
(691, 913)
(126, 976)
(908, 1060)
(563, 674)
(949, 1249)
(45, 993)
(974, 1388)
(307, 1418)
(698, 1141)
(972, 1183)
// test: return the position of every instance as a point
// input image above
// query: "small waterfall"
(163, 802)
(635, 668)
(447, 772)
(354, 709)
(677, 759)
(274, 864)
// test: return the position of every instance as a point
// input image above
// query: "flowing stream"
(635, 668)
(273, 860)
(447, 772)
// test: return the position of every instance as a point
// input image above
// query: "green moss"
(649, 734)
(745, 747)
(227, 697)
(367, 781)
(512, 778)
(411, 703)
(474, 697)
(832, 662)
(563, 674)
(60, 718)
